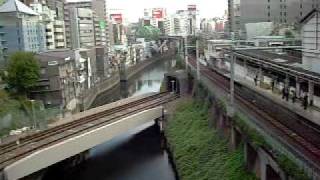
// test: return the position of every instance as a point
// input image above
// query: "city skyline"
(134, 10)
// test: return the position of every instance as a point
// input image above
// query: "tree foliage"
(148, 32)
(23, 72)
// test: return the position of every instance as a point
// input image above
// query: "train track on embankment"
(298, 131)
(12, 152)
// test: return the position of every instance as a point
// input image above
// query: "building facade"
(57, 86)
(281, 11)
(21, 28)
(311, 41)
(92, 16)
(55, 31)
(183, 22)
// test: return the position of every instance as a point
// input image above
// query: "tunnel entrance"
(272, 174)
(173, 84)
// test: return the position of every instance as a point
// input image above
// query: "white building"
(183, 22)
(156, 17)
(21, 28)
(311, 41)
(55, 30)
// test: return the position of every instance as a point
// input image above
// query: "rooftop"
(61, 56)
(16, 6)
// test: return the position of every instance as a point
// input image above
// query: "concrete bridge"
(79, 133)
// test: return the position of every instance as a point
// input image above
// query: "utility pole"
(197, 59)
(186, 51)
(33, 114)
(233, 59)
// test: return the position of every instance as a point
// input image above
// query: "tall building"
(81, 28)
(57, 6)
(183, 22)
(277, 11)
(21, 28)
(97, 18)
(54, 24)
(156, 17)
(119, 27)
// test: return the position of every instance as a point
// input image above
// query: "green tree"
(23, 72)
(148, 32)
(288, 34)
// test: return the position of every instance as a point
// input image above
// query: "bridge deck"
(86, 122)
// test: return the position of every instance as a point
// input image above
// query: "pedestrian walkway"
(310, 113)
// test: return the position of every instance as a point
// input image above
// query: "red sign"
(117, 18)
(192, 7)
(157, 13)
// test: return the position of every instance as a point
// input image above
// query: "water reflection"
(148, 81)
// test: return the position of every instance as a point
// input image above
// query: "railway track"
(12, 152)
(296, 128)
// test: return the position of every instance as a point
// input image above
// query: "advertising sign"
(192, 7)
(157, 13)
(117, 18)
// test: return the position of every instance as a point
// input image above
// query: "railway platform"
(311, 113)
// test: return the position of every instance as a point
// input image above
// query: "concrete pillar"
(245, 67)
(263, 169)
(298, 87)
(122, 68)
(311, 92)
(235, 138)
(286, 82)
(260, 75)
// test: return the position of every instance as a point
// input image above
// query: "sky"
(134, 8)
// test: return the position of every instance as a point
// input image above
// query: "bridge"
(81, 133)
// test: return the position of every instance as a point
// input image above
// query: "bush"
(199, 152)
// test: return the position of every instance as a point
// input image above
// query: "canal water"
(136, 155)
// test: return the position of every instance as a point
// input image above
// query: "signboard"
(102, 24)
(117, 18)
(192, 7)
(157, 13)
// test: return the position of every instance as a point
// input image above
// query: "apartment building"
(21, 28)
(55, 31)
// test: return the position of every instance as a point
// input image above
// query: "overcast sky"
(134, 8)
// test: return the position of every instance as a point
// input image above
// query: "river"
(136, 155)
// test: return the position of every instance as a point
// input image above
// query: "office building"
(288, 12)
(183, 22)
(93, 14)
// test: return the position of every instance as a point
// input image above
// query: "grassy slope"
(199, 152)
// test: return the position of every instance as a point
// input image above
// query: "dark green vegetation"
(179, 62)
(198, 151)
(22, 73)
(148, 32)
